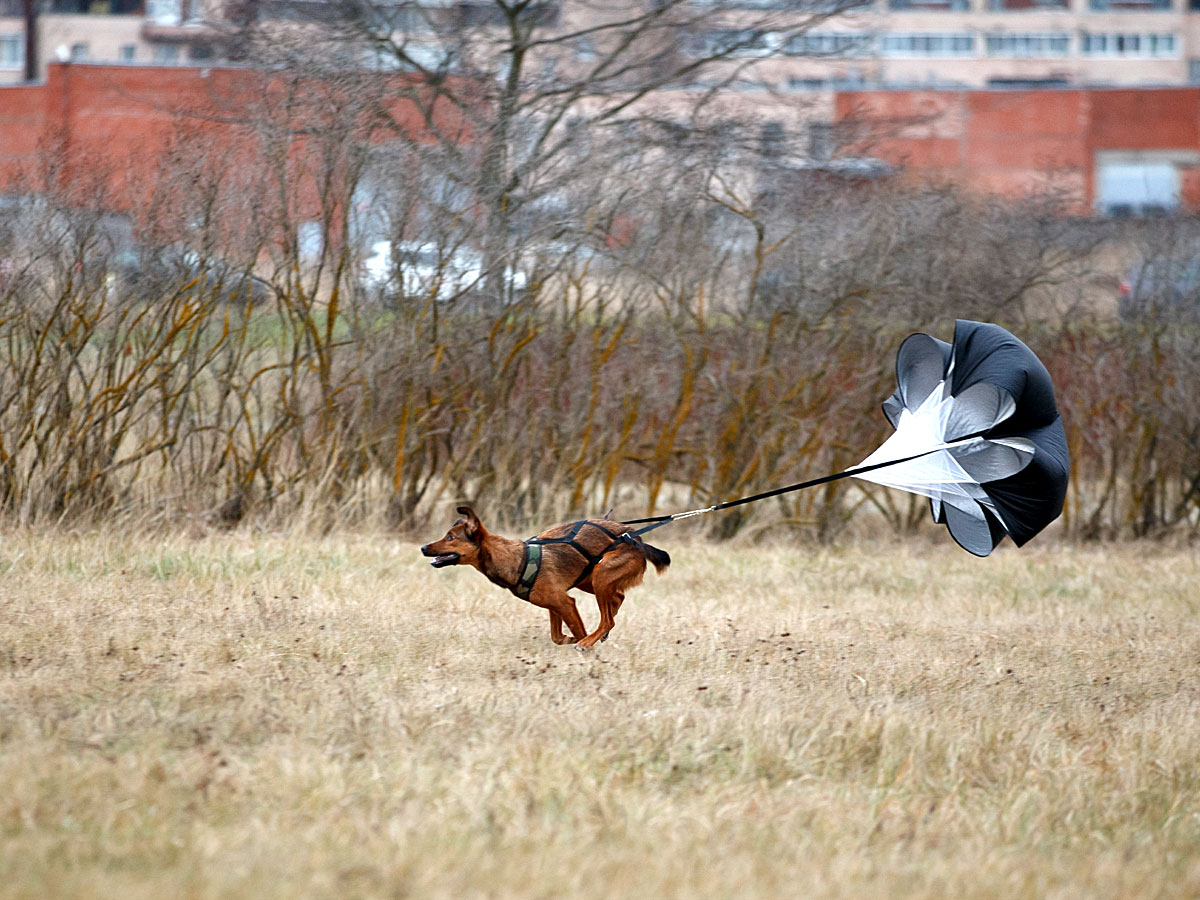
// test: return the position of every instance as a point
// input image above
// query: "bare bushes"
(1130, 390)
(1130, 397)
(633, 375)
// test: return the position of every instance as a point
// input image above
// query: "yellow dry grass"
(283, 716)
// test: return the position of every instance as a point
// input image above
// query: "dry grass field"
(269, 716)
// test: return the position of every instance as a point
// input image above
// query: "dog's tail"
(659, 558)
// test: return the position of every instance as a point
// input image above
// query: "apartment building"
(159, 32)
(903, 61)
(879, 43)
(995, 43)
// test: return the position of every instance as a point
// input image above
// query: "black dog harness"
(531, 565)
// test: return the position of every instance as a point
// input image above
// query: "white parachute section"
(938, 451)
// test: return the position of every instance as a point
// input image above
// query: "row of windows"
(810, 5)
(12, 52)
(1054, 44)
(947, 44)
(955, 44)
(1150, 45)
(1031, 45)
(1001, 5)
(1016, 5)
(830, 43)
(963, 5)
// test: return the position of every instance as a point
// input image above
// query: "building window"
(1136, 187)
(1130, 5)
(829, 43)
(842, 81)
(1143, 46)
(79, 52)
(1028, 45)
(164, 12)
(820, 141)
(127, 52)
(734, 42)
(946, 44)
(79, 7)
(931, 5)
(166, 54)
(1194, 71)
(1018, 5)
(585, 50)
(772, 139)
(474, 13)
(792, 5)
(12, 51)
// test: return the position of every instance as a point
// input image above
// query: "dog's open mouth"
(446, 559)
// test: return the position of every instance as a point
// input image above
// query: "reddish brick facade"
(114, 128)
(114, 113)
(1017, 143)
(122, 120)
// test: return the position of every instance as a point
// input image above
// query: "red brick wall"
(121, 120)
(1020, 142)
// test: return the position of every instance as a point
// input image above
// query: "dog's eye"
(451, 537)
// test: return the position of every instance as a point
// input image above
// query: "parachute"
(977, 431)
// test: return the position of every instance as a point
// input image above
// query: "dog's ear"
(474, 527)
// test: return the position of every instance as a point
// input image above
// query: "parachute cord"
(659, 521)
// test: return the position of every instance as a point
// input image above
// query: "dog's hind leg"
(602, 630)
(614, 606)
(619, 571)
(612, 576)
(608, 609)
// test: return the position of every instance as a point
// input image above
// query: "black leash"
(659, 521)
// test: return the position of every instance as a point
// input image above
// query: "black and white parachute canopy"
(978, 433)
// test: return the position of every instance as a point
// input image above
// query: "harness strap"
(531, 564)
(533, 555)
(629, 537)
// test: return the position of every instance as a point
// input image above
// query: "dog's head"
(460, 546)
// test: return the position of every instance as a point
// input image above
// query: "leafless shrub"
(675, 327)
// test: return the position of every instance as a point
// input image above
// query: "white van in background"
(414, 269)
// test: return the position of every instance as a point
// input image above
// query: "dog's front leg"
(556, 631)
(561, 606)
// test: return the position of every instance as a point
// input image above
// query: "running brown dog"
(595, 555)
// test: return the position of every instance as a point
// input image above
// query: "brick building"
(894, 43)
(126, 138)
(1110, 151)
